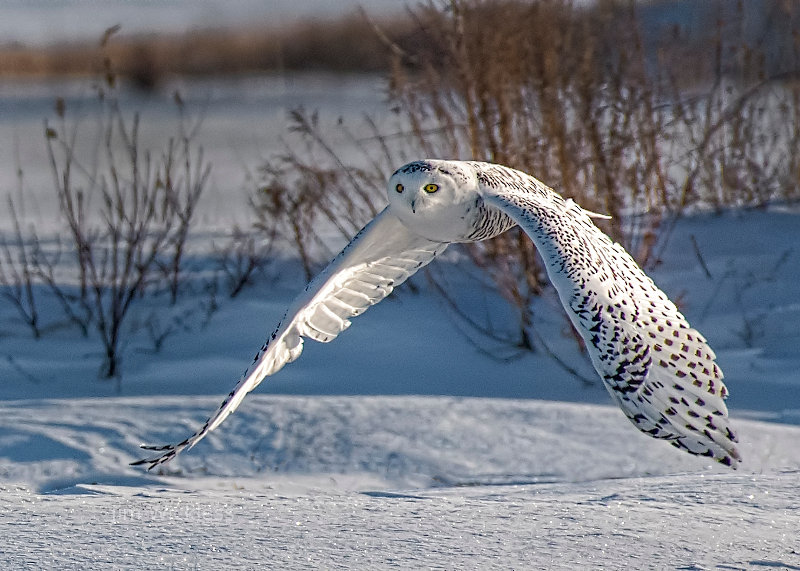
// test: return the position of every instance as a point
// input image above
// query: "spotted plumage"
(659, 370)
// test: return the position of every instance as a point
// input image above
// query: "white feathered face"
(436, 199)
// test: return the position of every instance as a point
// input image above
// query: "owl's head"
(435, 198)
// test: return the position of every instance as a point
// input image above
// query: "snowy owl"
(657, 368)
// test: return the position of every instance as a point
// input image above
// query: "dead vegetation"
(589, 100)
(347, 44)
(584, 101)
(127, 212)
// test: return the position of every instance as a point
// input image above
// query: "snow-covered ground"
(380, 482)
(375, 457)
(400, 444)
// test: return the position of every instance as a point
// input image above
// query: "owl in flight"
(659, 370)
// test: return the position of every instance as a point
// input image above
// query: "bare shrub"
(17, 273)
(572, 95)
(28, 265)
(584, 98)
(128, 214)
(304, 194)
(184, 175)
(547, 88)
(242, 257)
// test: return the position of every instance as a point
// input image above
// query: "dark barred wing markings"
(657, 368)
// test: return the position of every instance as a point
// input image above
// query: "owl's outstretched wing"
(659, 370)
(380, 257)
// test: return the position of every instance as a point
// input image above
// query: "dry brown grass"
(575, 97)
(345, 44)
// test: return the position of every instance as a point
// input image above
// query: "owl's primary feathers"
(659, 370)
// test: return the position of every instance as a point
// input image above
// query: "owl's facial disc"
(433, 199)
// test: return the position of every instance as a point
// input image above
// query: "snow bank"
(380, 482)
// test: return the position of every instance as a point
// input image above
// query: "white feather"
(383, 255)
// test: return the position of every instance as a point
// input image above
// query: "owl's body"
(657, 368)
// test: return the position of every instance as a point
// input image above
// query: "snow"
(377, 482)
(362, 454)
(365, 461)
(721, 521)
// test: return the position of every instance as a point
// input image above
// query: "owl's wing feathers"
(380, 257)
(657, 368)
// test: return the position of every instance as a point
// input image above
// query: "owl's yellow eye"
(399, 188)
(431, 188)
